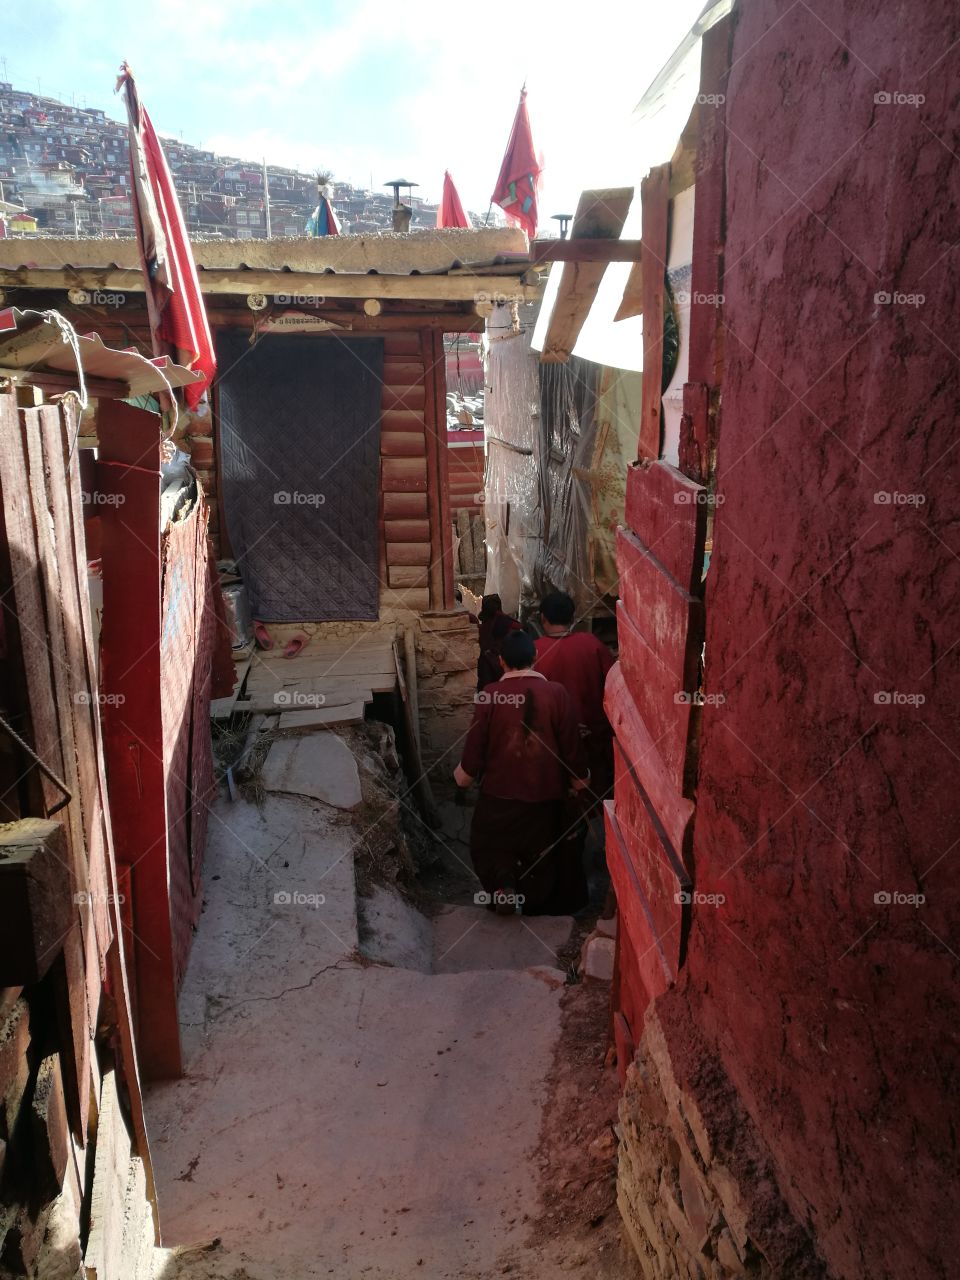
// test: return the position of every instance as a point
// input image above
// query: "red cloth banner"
(174, 302)
(450, 213)
(518, 185)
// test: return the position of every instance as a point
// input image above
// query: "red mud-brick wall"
(826, 984)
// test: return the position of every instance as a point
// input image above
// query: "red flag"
(450, 213)
(519, 181)
(174, 302)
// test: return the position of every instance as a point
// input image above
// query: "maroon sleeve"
(474, 756)
(569, 741)
(605, 658)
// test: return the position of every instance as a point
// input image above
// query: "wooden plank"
(81, 705)
(655, 201)
(404, 474)
(442, 567)
(416, 599)
(322, 717)
(635, 919)
(408, 576)
(405, 505)
(583, 250)
(111, 1170)
(600, 215)
(407, 530)
(402, 420)
(657, 863)
(402, 398)
(705, 359)
(119, 896)
(400, 373)
(403, 444)
(343, 694)
(668, 514)
(639, 746)
(417, 553)
(694, 446)
(405, 345)
(669, 618)
(655, 693)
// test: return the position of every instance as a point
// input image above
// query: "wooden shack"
(325, 455)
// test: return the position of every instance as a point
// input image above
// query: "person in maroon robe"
(580, 662)
(494, 626)
(525, 747)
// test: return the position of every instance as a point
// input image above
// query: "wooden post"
(655, 200)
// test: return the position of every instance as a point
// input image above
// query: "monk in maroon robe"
(525, 747)
(580, 662)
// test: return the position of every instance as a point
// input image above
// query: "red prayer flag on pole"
(519, 181)
(174, 302)
(450, 212)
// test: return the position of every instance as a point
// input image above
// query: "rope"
(44, 769)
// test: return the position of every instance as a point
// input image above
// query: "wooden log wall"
(414, 482)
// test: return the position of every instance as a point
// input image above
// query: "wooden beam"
(290, 284)
(600, 216)
(585, 251)
(655, 204)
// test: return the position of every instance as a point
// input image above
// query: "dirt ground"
(384, 1081)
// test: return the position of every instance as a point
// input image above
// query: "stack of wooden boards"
(330, 681)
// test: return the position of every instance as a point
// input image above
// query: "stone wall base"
(696, 1187)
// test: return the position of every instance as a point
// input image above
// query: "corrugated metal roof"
(34, 348)
(416, 252)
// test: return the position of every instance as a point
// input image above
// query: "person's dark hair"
(490, 606)
(558, 608)
(518, 650)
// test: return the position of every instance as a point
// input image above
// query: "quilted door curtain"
(299, 422)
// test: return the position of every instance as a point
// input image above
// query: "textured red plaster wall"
(835, 1014)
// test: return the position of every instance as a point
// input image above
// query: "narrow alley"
(479, 777)
(368, 1087)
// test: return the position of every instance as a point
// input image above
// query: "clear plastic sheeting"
(559, 437)
(512, 497)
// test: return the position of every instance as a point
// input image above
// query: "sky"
(373, 89)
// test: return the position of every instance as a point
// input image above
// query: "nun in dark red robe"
(524, 747)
